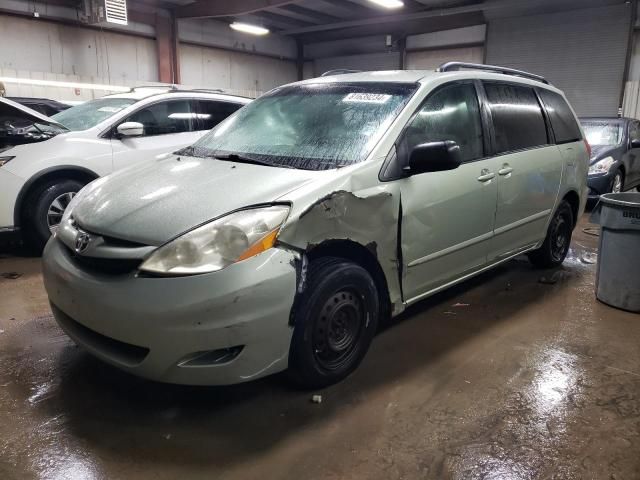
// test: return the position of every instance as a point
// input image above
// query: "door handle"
(486, 175)
(505, 170)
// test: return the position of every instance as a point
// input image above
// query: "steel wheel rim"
(56, 210)
(560, 230)
(617, 184)
(337, 330)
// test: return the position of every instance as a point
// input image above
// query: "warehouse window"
(210, 113)
(517, 117)
(162, 118)
(452, 113)
(565, 127)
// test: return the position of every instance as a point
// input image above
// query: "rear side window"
(451, 113)
(517, 117)
(565, 127)
(211, 113)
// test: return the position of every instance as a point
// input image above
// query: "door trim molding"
(449, 250)
(523, 221)
(467, 276)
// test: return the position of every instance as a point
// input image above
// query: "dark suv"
(615, 154)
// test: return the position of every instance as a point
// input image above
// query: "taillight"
(586, 144)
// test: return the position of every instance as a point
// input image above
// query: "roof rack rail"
(453, 66)
(170, 86)
(339, 71)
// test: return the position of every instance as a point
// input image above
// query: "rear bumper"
(152, 327)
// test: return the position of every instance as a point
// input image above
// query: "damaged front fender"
(368, 217)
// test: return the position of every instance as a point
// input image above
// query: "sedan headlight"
(601, 166)
(6, 159)
(219, 243)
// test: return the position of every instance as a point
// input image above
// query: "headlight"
(6, 159)
(601, 166)
(219, 243)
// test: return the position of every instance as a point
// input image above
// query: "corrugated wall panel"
(237, 72)
(582, 52)
(366, 62)
(432, 59)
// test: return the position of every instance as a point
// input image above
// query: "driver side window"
(161, 118)
(452, 113)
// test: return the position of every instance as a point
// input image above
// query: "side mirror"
(635, 143)
(130, 129)
(434, 157)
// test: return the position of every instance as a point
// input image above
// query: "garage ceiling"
(319, 20)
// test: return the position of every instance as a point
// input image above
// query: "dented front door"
(447, 224)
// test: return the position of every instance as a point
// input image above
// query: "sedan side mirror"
(130, 129)
(434, 157)
(635, 143)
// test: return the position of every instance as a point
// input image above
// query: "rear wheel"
(335, 321)
(556, 244)
(44, 209)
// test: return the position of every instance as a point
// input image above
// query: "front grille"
(109, 266)
(121, 352)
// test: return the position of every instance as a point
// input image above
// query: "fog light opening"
(211, 357)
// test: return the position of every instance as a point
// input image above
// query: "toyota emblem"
(83, 239)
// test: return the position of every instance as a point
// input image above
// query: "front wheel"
(556, 244)
(617, 185)
(334, 323)
(44, 209)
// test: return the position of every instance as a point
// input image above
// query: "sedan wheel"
(617, 185)
(56, 210)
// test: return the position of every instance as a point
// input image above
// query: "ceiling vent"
(105, 11)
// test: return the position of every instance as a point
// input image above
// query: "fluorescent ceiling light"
(248, 28)
(388, 3)
(53, 83)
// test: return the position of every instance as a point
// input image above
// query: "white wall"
(53, 51)
(239, 73)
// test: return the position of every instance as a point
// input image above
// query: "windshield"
(603, 133)
(311, 127)
(90, 114)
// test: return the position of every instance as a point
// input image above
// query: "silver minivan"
(280, 239)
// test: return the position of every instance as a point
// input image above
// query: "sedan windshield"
(601, 133)
(311, 127)
(90, 114)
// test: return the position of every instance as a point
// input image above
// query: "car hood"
(16, 125)
(155, 202)
(598, 152)
(25, 112)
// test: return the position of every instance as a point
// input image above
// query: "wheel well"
(574, 201)
(362, 256)
(81, 175)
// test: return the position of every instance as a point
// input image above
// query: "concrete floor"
(530, 380)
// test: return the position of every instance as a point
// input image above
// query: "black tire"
(335, 321)
(556, 244)
(619, 174)
(35, 219)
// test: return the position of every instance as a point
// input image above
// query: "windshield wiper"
(234, 157)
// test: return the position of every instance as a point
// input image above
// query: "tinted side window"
(565, 127)
(210, 113)
(452, 113)
(634, 131)
(517, 117)
(174, 116)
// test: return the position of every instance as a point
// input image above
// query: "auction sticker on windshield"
(367, 98)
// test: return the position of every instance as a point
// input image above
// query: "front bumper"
(10, 186)
(599, 185)
(148, 326)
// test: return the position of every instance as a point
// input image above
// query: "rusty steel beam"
(223, 8)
